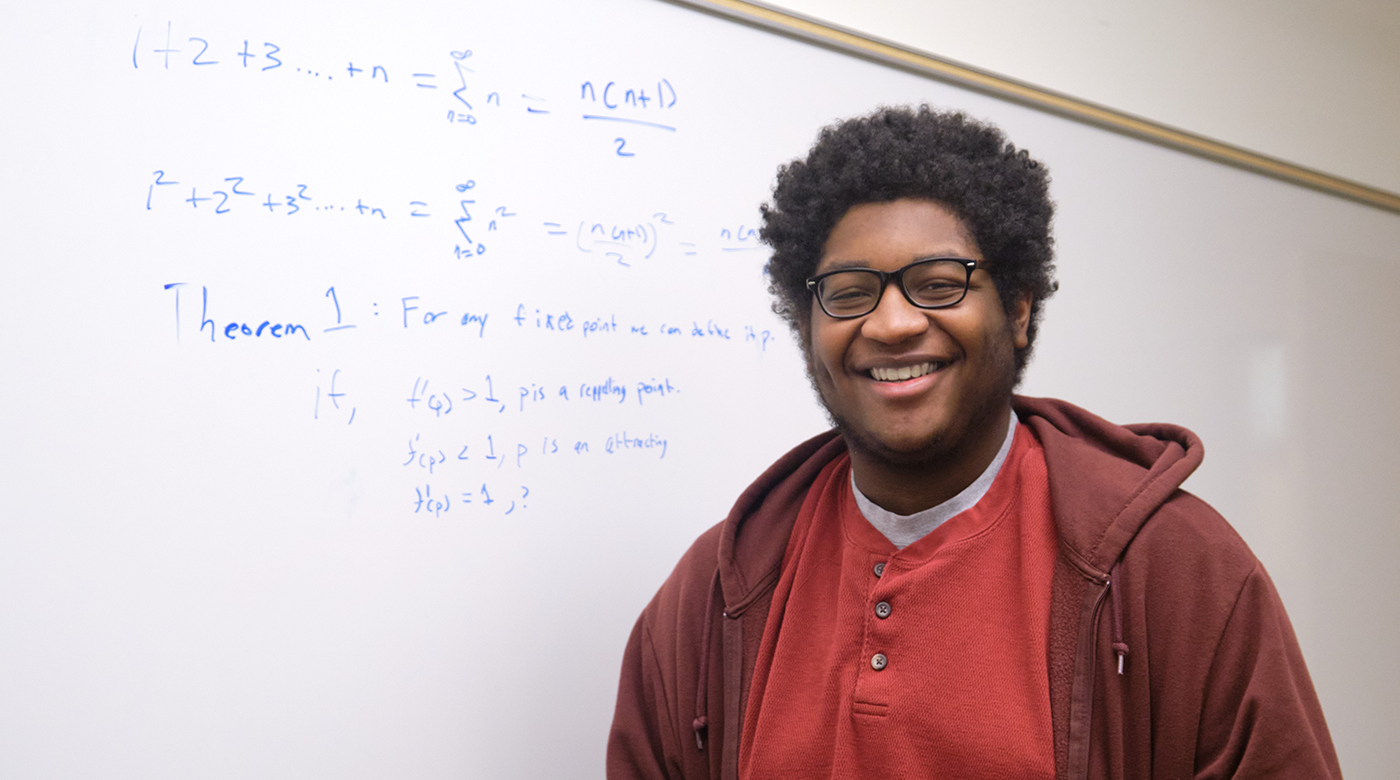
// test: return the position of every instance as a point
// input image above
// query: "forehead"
(895, 233)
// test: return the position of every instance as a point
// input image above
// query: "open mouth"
(902, 373)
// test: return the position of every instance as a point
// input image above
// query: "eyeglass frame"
(898, 275)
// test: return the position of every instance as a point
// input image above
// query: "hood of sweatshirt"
(1134, 468)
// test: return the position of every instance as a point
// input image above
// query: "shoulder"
(1185, 534)
(1188, 566)
(1214, 625)
(1184, 581)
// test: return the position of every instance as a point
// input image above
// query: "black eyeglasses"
(931, 283)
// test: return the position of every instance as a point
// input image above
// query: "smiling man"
(955, 582)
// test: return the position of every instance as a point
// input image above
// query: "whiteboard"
(366, 372)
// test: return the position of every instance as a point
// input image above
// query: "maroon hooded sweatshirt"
(1150, 581)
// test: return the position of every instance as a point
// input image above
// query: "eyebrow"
(842, 265)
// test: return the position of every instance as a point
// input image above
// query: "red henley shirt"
(924, 662)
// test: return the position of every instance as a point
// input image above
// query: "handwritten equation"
(540, 389)
(459, 94)
(439, 465)
(457, 213)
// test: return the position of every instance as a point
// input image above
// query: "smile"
(905, 372)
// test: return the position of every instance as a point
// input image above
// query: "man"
(955, 582)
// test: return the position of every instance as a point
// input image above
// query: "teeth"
(903, 372)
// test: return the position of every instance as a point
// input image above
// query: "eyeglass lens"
(931, 284)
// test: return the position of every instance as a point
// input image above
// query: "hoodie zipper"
(1082, 690)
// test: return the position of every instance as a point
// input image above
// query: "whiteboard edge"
(1039, 98)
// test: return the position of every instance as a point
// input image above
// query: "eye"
(849, 292)
(936, 282)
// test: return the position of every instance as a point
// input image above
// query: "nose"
(894, 319)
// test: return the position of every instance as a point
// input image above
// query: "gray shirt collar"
(904, 530)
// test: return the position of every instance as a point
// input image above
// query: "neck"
(909, 487)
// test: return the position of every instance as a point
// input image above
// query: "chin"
(895, 450)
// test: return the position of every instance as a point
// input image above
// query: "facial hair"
(946, 446)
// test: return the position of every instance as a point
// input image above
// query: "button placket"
(879, 661)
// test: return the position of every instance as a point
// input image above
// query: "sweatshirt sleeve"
(637, 743)
(1261, 717)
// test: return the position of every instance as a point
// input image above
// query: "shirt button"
(882, 610)
(880, 569)
(879, 661)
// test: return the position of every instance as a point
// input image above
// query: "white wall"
(1317, 84)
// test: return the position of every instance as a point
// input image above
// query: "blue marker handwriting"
(489, 218)
(507, 500)
(741, 239)
(623, 442)
(623, 244)
(254, 329)
(333, 394)
(249, 55)
(441, 400)
(346, 313)
(231, 194)
(491, 452)
(453, 81)
(474, 216)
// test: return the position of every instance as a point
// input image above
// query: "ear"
(1021, 320)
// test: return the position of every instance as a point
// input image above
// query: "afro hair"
(967, 166)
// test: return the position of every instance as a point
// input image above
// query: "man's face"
(967, 350)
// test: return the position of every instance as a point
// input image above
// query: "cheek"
(827, 350)
(990, 328)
